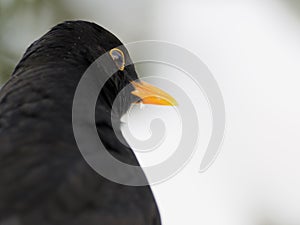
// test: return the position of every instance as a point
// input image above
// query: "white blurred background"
(252, 48)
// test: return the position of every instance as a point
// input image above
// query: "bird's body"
(44, 179)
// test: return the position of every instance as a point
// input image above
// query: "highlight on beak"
(150, 94)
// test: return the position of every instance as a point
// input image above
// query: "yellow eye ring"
(115, 54)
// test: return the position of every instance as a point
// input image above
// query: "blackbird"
(44, 179)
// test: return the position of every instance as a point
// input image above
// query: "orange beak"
(150, 94)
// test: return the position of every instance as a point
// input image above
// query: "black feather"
(44, 179)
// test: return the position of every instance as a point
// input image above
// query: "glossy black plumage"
(44, 180)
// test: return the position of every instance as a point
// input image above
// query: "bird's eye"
(118, 56)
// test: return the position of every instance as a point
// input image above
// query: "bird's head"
(71, 47)
(124, 82)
